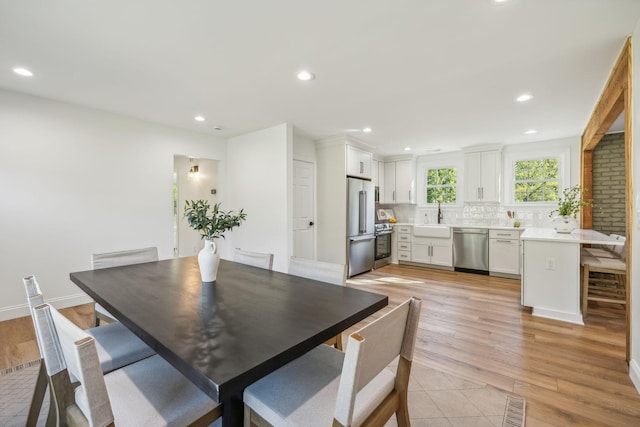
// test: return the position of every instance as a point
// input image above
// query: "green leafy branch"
(571, 201)
(211, 224)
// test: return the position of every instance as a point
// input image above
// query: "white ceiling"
(429, 74)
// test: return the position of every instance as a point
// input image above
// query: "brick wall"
(608, 185)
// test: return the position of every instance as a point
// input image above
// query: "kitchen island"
(550, 276)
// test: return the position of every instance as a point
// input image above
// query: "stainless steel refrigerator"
(360, 225)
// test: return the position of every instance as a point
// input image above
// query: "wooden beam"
(611, 103)
(628, 140)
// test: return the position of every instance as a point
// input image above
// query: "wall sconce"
(193, 169)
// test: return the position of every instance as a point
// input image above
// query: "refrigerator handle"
(362, 218)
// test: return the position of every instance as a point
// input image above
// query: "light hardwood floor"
(473, 326)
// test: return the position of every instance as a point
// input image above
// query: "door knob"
(310, 223)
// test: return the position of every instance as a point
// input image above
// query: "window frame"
(510, 159)
(439, 161)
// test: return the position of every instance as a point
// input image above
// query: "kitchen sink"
(442, 231)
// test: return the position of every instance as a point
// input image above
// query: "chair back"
(372, 348)
(73, 348)
(256, 259)
(335, 274)
(621, 250)
(35, 299)
(120, 258)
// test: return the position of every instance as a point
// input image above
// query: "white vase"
(208, 260)
(564, 224)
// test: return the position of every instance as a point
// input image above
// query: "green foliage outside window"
(441, 185)
(536, 180)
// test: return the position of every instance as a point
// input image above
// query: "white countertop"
(576, 236)
(491, 227)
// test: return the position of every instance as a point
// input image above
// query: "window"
(441, 185)
(536, 180)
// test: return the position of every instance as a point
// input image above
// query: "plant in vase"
(211, 223)
(569, 204)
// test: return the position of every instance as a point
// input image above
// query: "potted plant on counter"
(211, 224)
(569, 205)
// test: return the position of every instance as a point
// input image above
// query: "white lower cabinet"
(504, 251)
(433, 251)
(404, 242)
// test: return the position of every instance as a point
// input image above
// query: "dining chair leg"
(339, 342)
(52, 416)
(38, 396)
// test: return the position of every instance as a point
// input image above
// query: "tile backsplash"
(474, 214)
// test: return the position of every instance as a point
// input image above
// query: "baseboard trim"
(558, 315)
(634, 374)
(22, 310)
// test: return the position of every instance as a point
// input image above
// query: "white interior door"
(303, 210)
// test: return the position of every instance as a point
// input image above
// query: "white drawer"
(404, 246)
(404, 229)
(404, 255)
(404, 237)
(504, 234)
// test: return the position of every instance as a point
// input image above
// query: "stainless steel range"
(383, 244)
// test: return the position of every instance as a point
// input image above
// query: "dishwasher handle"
(482, 232)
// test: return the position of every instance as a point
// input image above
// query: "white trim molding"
(22, 310)
(634, 373)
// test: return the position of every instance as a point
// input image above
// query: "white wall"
(260, 179)
(304, 148)
(78, 181)
(193, 187)
(635, 221)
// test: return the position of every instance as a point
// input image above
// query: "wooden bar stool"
(612, 290)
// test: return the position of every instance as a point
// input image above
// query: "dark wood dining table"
(226, 334)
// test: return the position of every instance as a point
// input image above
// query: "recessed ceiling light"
(407, 148)
(524, 97)
(500, 1)
(305, 75)
(199, 119)
(23, 72)
(366, 130)
(531, 131)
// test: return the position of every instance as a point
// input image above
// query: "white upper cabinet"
(359, 162)
(381, 183)
(482, 172)
(374, 172)
(399, 182)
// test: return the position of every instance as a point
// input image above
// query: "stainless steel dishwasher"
(471, 250)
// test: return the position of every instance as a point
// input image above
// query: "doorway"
(303, 209)
(193, 179)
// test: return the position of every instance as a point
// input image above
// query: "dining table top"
(227, 334)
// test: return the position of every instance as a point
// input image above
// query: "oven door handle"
(382, 233)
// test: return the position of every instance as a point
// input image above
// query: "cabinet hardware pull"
(504, 241)
(361, 167)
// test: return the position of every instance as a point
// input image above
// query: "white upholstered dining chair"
(146, 393)
(256, 259)
(117, 259)
(327, 387)
(329, 272)
(116, 347)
